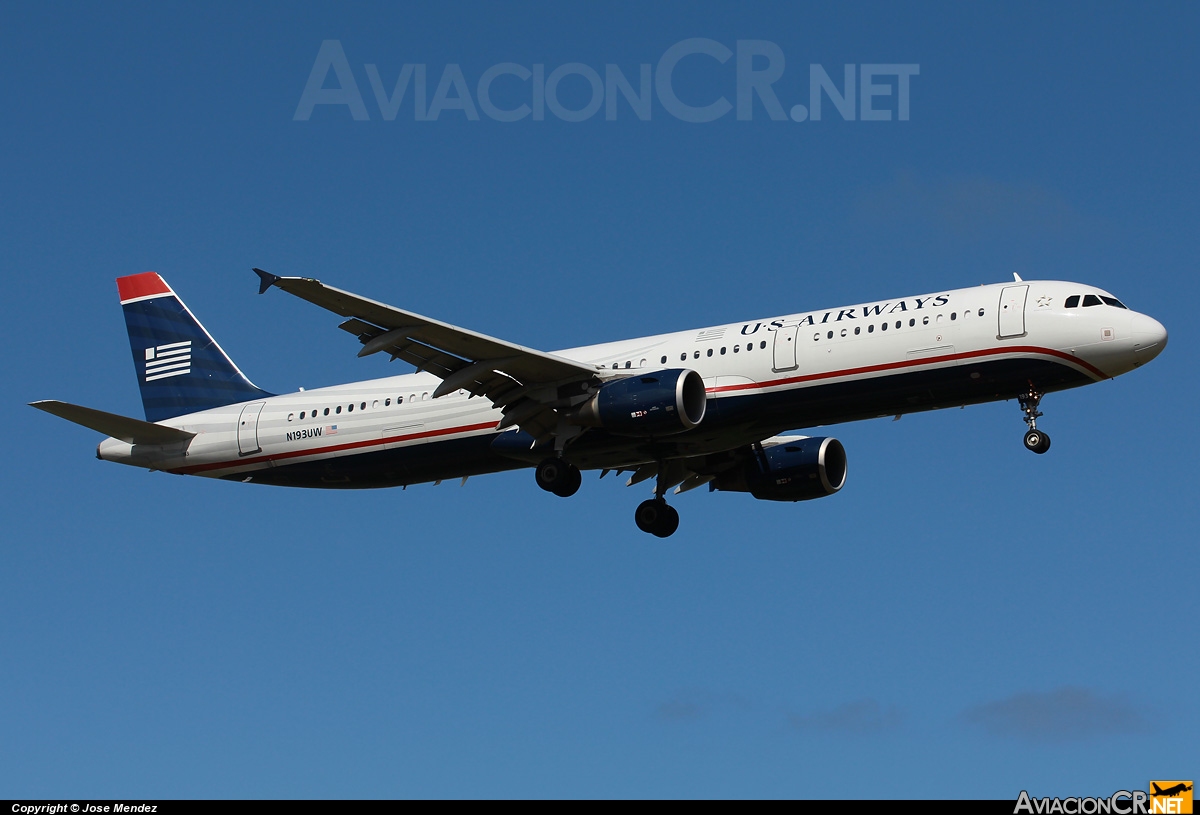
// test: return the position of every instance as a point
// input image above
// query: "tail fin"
(180, 367)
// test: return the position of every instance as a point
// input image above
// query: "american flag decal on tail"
(172, 359)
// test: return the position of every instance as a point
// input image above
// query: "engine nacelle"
(797, 470)
(656, 404)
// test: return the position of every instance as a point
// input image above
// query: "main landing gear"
(1035, 439)
(559, 477)
(655, 516)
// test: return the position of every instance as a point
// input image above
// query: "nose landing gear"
(1035, 439)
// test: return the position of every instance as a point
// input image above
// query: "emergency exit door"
(785, 348)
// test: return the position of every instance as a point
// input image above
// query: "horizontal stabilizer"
(132, 431)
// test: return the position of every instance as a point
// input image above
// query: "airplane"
(1170, 791)
(709, 406)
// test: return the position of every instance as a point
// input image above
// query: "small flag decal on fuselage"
(172, 359)
(331, 430)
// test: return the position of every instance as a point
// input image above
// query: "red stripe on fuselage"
(145, 284)
(911, 363)
(887, 366)
(334, 448)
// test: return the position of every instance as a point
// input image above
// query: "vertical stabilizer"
(180, 367)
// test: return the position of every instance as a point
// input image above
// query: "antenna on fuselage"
(1017, 278)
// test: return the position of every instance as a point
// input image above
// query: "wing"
(528, 385)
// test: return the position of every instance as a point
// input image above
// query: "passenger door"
(1012, 311)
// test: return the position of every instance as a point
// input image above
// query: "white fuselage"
(782, 358)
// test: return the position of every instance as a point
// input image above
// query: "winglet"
(266, 280)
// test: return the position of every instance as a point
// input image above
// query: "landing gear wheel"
(1037, 441)
(657, 517)
(570, 484)
(557, 476)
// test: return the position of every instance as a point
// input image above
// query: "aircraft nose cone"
(1149, 337)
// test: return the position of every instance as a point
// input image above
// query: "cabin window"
(350, 408)
(829, 335)
(710, 352)
(871, 328)
(816, 336)
(663, 361)
(387, 402)
(291, 416)
(1091, 300)
(735, 348)
(696, 355)
(762, 344)
(897, 324)
(683, 356)
(722, 349)
(375, 404)
(883, 327)
(326, 411)
(954, 315)
(363, 406)
(857, 330)
(925, 320)
(843, 332)
(337, 410)
(302, 415)
(980, 312)
(628, 364)
(1072, 301)
(425, 396)
(912, 322)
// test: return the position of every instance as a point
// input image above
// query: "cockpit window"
(1072, 301)
(1112, 301)
(1091, 300)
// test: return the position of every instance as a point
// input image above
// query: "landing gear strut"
(559, 477)
(656, 516)
(1035, 439)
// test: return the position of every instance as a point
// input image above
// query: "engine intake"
(798, 470)
(655, 404)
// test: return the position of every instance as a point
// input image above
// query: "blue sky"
(963, 620)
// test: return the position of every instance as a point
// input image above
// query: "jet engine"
(655, 404)
(796, 470)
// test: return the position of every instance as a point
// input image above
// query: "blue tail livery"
(180, 367)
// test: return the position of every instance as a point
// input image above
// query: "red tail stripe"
(145, 284)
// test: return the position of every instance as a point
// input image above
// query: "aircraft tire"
(570, 483)
(1037, 441)
(656, 517)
